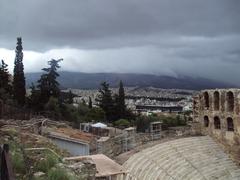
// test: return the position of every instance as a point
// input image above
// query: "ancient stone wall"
(114, 146)
(217, 111)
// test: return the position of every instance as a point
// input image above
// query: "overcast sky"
(166, 37)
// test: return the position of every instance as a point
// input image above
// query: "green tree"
(19, 91)
(53, 107)
(48, 84)
(122, 123)
(5, 87)
(96, 114)
(90, 103)
(82, 109)
(70, 97)
(120, 101)
(34, 98)
(105, 101)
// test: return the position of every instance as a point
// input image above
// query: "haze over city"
(187, 37)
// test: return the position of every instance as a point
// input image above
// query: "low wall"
(119, 144)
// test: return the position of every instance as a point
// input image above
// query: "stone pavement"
(194, 158)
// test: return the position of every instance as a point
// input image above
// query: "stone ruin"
(218, 113)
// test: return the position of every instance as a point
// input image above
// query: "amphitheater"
(192, 158)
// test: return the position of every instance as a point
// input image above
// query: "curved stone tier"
(194, 158)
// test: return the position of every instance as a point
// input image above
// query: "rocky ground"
(35, 157)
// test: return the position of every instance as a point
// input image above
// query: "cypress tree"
(105, 101)
(19, 90)
(90, 103)
(5, 87)
(34, 98)
(121, 107)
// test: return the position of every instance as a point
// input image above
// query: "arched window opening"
(216, 100)
(206, 121)
(206, 99)
(230, 101)
(217, 123)
(230, 125)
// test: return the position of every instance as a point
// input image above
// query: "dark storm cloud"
(151, 36)
(87, 24)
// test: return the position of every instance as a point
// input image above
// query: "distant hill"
(80, 80)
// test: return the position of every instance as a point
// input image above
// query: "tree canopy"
(105, 101)
(5, 87)
(19, 91)
(48, 84)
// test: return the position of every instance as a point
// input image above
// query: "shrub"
(53, 107)
(172, 121)
(122, 123)
(143, 122)
(46, 164)
(18, 163)
(96, 114)
(59, 174)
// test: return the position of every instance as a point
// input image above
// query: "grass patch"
(59, 174)
(47, 163)
(18, 163)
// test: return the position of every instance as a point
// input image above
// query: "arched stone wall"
(206, 100)
(230, 124)
(230, 101)
(217, 122)
(223, 112)
(206, 121)
(216, 101)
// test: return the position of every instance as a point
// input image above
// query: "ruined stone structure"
(218, 112)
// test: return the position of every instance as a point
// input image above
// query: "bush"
(59, 174)
(173, 121)
(143, 122)
(82, 109)
(70, 113)
(46, 164)
(122, 123)
(53, 106)
(96, 114)
(18, 163)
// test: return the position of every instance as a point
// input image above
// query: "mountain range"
(79, 80)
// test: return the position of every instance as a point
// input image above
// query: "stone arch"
(206, 99)
(230, 125)
(230, 101)
(217, 123)
(216, 100)
(206, 121)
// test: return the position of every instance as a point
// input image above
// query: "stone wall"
(114, 146)
(217, 112)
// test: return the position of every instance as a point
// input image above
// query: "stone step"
(193, 158)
